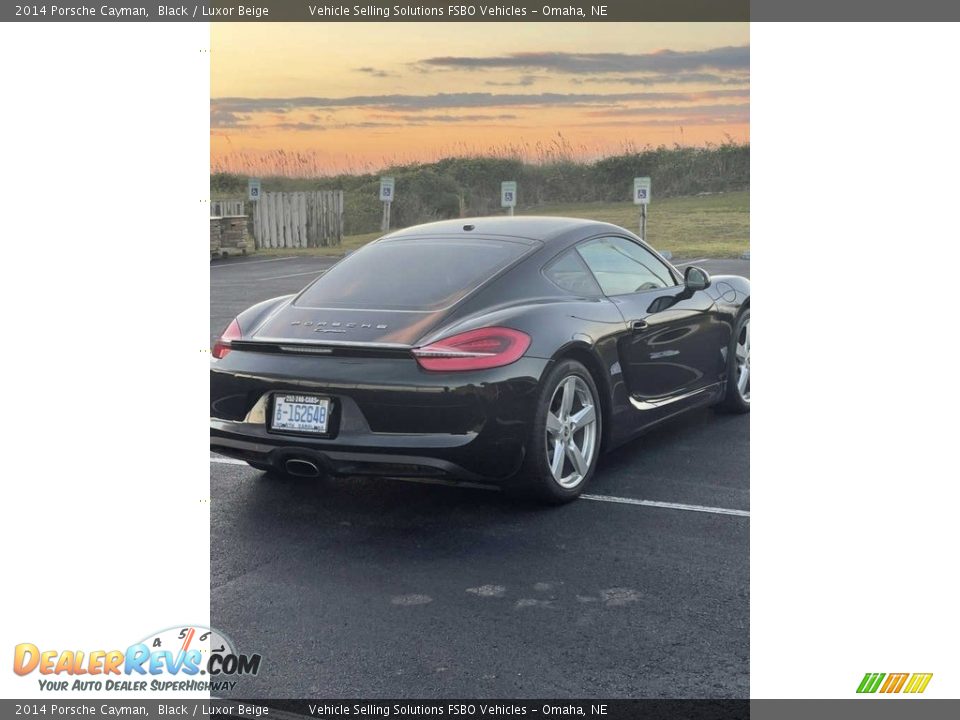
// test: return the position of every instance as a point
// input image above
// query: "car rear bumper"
(333, 460)
(389, 416)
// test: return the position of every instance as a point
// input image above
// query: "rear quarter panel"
(560, 325)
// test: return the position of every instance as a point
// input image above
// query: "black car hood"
(337, 325)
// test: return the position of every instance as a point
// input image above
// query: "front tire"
(737, 396)
(564, 446)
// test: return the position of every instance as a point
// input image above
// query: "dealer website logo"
(912, 683)
(183, 659)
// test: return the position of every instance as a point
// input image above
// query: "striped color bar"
(870, 682)
(894, 682)
(918, 682)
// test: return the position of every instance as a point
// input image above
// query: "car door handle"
(639, 325)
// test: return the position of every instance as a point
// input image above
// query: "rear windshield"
(411, 274)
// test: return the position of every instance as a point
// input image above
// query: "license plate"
(300, 413)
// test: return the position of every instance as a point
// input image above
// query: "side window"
(569, 273)
(622, 267)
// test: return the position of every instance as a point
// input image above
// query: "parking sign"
(508, 194)
(386, 189)
(641, 191)
(253, 189)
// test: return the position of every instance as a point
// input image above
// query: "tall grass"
(315, 163)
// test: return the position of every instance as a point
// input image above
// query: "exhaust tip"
(302, 468)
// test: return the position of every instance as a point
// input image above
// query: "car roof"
(549, 230)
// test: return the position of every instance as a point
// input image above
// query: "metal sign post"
(253, 195)
(508, 195)
(386, 197)
(641, 197)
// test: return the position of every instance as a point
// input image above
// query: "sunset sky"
(308, 98)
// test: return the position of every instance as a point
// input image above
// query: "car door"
(670, 350)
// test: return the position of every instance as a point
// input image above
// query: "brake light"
(222, 346)
(474, 350)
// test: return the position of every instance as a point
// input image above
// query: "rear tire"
(737, 396)
(564, 444)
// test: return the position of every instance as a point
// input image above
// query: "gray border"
(875, 707)
(854, 11)
(298, 11)
(617, 11)
(872, 708)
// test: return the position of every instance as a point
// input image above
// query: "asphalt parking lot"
(385, 589)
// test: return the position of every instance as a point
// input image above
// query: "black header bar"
(850, 709)
(467, 11)
(470, 11)
(379, 11)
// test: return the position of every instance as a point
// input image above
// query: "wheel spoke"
(742, 352)
(582, 418)
(743, 379)
(576, 457)
(553, 424)
(556, 464)
(569, 389)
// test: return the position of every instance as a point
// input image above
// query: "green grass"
(703, 226)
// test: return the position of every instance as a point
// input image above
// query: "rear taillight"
(474, 350)
(222, 346)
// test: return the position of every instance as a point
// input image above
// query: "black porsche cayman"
(507, 350)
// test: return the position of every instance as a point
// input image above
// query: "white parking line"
(669, 506)
(691, 262)
(585, 496)
(280, 277)
(226, 461)
(250, 262)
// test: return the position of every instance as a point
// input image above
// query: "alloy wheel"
(743, 362)
(571, 431)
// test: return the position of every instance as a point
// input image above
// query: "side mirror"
(696, 278)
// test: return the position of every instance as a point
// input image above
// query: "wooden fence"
(298, 219)
(227, 208)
